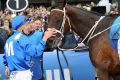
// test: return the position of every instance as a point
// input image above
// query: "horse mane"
(96, 13)
(77, 14)
(92, 12)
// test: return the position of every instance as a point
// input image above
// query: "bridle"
(65, 17)
(63, 21)
(61, 37)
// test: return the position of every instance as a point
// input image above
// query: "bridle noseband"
(63, 21)
(65, 17)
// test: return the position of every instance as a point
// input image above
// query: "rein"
(61, 32)
(92, 30)
(63, 22)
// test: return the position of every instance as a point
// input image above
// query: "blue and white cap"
(17, 22)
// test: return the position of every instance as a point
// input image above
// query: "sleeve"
(4, 60)
(31, 49)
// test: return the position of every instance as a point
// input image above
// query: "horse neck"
(81, 20)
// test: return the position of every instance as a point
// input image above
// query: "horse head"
(74, 18)
(64, 19)
(57, 20)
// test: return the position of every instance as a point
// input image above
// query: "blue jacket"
(19, 50)
(36, 68)
(115, 29)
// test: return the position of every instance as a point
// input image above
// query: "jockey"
(19, 50)
(34, 37)
(115, 35)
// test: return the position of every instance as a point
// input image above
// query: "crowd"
(111, 8)
(32, 13)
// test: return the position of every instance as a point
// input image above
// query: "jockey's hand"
(7, 71)
(49, 33)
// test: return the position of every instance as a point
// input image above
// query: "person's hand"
(7, 71)
(49, 33)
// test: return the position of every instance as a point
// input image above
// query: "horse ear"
(64, 3)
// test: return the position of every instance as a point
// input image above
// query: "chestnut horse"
(104, 58)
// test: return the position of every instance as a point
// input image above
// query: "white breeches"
(119, 48)
(21, 75)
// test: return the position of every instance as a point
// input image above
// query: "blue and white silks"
(114, 33)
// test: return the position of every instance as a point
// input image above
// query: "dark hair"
(25, 13)
(37, 17)
(3, 37)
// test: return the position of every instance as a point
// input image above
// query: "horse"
(3, 37)
(94, 29)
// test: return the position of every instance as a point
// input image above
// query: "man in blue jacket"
(19, 50)
(34, 38)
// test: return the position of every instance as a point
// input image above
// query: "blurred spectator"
(79, 5)
(114, 8)
(7, 26)
(3, 37)
(1, 22)
(105, 3)
(92, 4)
